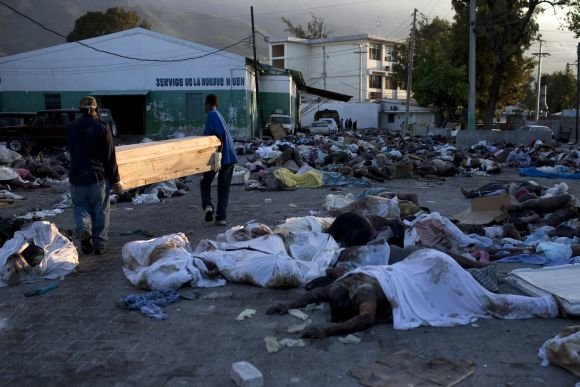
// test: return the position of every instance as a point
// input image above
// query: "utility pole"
(324, 66)
(410, 71)
(472, 56)
(540, 55)
(361, 46)
(577, 88)
(256, 77)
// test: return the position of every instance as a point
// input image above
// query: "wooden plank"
(153, 162)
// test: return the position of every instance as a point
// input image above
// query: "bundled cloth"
(289, 179)
(429, 288)
(54, 255)
(150, 304)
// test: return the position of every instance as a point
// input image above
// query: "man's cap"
(88, 102)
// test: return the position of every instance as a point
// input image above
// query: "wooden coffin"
(152, 162)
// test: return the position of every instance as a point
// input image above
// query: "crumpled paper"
(299, 327)
(298, 314)
(247, 313)
(274, 345)
(350, 339)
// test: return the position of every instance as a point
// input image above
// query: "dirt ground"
(76, 335)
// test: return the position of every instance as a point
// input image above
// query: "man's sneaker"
(100, 250)
(220, 222)
(208, 214)
(86, 245)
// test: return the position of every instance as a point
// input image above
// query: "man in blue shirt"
(216, 125)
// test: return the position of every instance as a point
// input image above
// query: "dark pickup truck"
(47, 128)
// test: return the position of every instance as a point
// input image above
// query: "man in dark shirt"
(93, 172)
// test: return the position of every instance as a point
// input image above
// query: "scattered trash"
(274, 345)
(299, 327)
(406, 368)
(150, 304)
(562, 350)
(298, 314)
(350, 339)
(247, 313)
(245, 374)
(41, 290)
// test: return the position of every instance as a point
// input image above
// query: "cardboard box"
(485, 210)
(153, 162)
(278, 131)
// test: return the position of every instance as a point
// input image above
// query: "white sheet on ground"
(164, 263)
(273, 261)
(60, 255)
(430, 288)
(434, 228)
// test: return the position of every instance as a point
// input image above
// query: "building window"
(374, 82)
(52, 101)
(279, 63)
(277, 50)
(193, 107)
(390, 55)
(390, 118)
(390, 83)
(375, 51)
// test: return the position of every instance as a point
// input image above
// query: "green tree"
(560, 90)
(315, 29)
(505, 30)
(573, 17)
(437, 81)
(114, 19)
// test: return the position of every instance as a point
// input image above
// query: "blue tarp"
(535, 172)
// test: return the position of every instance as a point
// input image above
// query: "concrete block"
(244, 374)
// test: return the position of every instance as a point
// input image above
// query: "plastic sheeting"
(555, 173)
(563, 350)
(164, 263)
(60, 255)
(435, 229)
(429, 288)
(366, 205)
(273, 261)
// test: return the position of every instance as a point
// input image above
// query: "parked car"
(15, 118)
(538, 129)
(282, 119)
(47, 128)
(327, 113)
(321, 127)
(331, 123)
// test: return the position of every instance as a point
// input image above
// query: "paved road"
(75, 335)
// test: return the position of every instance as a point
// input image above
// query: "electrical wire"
(120, 55)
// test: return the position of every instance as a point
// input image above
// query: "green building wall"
(33, 101)
(165, 111)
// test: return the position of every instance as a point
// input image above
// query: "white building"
(356, 65)
(154, 84)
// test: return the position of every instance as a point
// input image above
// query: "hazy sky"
(390, 18)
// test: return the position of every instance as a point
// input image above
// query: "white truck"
(285, 120)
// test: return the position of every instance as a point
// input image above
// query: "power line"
(115, 54)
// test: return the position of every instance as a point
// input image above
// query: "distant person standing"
(92, 174)
(216, 125)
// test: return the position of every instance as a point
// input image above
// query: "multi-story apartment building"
(356, 65)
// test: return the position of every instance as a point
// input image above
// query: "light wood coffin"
(152, 162)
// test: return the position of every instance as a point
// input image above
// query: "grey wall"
(466, 138)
